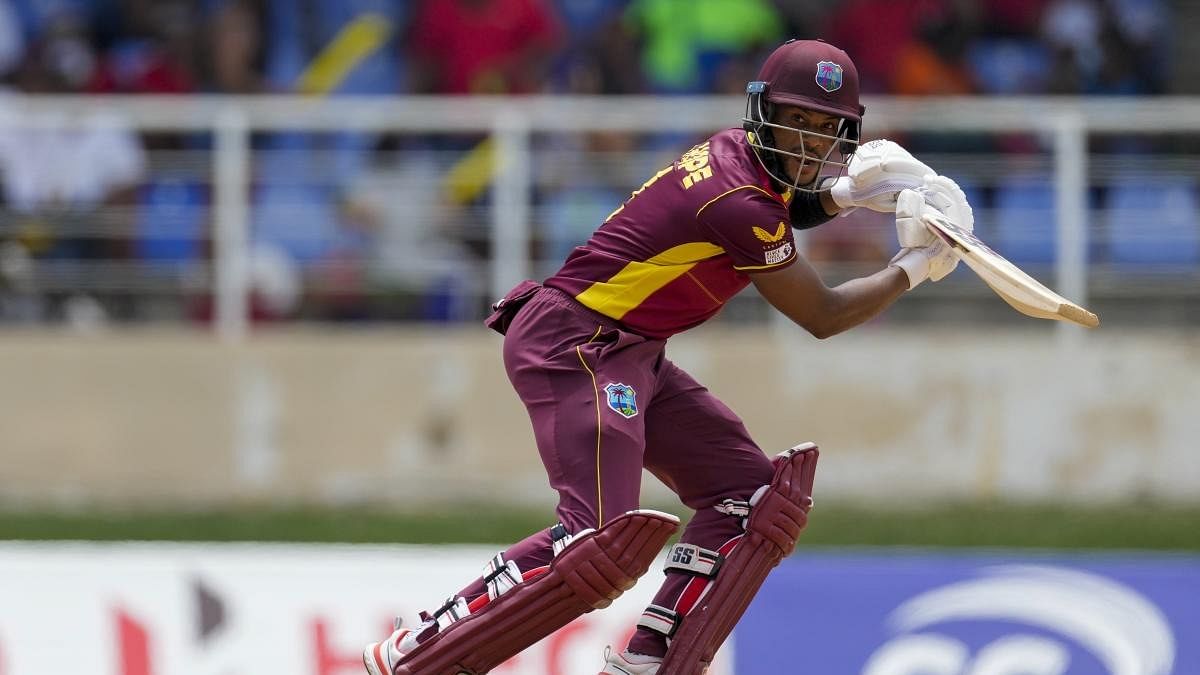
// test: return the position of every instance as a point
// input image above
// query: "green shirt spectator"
(685, 41)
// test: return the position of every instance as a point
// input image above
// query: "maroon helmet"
(811, 74)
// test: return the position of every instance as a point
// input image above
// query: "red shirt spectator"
(483, 46)
(146, 71)
(1014, 17)
(874, 32)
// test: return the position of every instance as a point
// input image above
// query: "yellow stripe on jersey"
(639, 280)
(729, 192)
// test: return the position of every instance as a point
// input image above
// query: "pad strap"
(697, 561)
(660, 620)
(560, 539)
(501, 576)
(452, 610)
(737, 508)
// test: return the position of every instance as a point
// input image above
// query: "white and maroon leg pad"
(776, 518)
(588, 574)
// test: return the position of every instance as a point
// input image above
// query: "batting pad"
(589, 574)
(776, 521)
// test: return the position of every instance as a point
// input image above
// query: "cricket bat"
(1024, 293)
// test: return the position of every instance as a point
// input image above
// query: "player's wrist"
(914, 263)
(840, 190)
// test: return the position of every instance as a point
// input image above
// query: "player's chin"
(808, 175)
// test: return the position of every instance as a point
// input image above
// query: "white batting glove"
(943, 194)
(924, 255)
(932, 262)
(910, 231)
(877, 172)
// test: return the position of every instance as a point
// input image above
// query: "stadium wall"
(427, 416)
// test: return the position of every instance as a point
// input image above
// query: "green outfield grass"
(957, 525)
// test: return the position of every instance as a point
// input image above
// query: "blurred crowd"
(99, 203)
(582, 46)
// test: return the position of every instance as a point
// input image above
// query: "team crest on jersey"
(829, 76)
(777, 255)
(622, 399)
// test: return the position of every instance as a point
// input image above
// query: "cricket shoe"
(380, 658)
(628, 663)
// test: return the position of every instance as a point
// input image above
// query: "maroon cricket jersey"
(685, 243)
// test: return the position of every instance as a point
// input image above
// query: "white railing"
(513, 121)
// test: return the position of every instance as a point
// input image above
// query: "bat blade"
(1021, 291)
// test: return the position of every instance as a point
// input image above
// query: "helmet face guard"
(811, 75)
(774, 159)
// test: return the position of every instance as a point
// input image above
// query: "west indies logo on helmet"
(814, 75)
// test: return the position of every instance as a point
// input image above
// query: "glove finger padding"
(899, 161)
(943, 194)
(922, 254)
(884, 156)
(911, 232)
(877, 172)
(886, 162)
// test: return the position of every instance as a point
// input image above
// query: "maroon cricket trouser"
(605, 403)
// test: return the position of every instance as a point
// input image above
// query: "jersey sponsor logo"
(622, 399)
(770, 237)
(829, 76)
(778, 255)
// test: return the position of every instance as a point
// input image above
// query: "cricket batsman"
(585, 351)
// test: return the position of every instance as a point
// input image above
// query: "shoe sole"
(371, 660)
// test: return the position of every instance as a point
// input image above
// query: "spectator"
(1011, 18)
(12, 39)
(1071, 28)
(236, 46)
(893, 25)
(685, 42)
(67, 182)
(934, 63)
(301, 32)
(483, 46)
(299, 223)
(1132, 43)
(156, 57)
(38, 16)
(805, 17)
(1106, 47)
(427, 272)
(600, 57)
(584, 194)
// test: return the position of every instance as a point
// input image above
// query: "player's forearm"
(859, 300)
